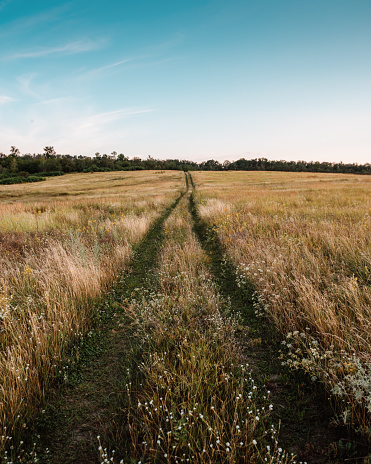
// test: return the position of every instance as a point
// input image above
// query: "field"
(62, 246)
(303, 243)
(217, 300)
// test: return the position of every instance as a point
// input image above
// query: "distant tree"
(49, 152)
(67, 164)
(211, 165)
(52, 164)
(136, 161)
(122, 157)
(13, 165)
(150, 163)
(14, 151)
(105, 162)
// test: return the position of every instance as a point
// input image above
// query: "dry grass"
(57, 256)
(304, 242)
(94, 185)
(195, 400)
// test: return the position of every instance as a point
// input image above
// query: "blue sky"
(193, 79)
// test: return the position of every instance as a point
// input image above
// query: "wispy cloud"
(26, 85)
(5, 99)
(71, 126)
(4, 3)
(70, 48)
(101, 69)
(100, 119)
(143, 60)
(25, 23)
(118, 63)
(136, 62)
(55, 101)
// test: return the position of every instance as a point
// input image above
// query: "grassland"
(192, 395)
(62, 246)
(181, 338)
(303, 243)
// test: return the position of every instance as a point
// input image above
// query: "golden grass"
(195, 400)
(57, 257)
(304, 242)
(94, 185)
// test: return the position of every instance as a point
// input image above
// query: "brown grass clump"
(303, 241)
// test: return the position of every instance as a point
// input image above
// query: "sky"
(195, 79)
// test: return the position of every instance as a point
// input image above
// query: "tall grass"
(192, 397)
(56, 260)
(304, 243)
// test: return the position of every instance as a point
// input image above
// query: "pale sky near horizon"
(195, 79)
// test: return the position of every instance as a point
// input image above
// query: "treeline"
(50, 163)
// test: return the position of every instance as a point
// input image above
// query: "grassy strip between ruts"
(191, 396)
(63, 424)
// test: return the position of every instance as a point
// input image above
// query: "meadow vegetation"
(192, 397)
(298, 246)
(303, 243)
(62, 246)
